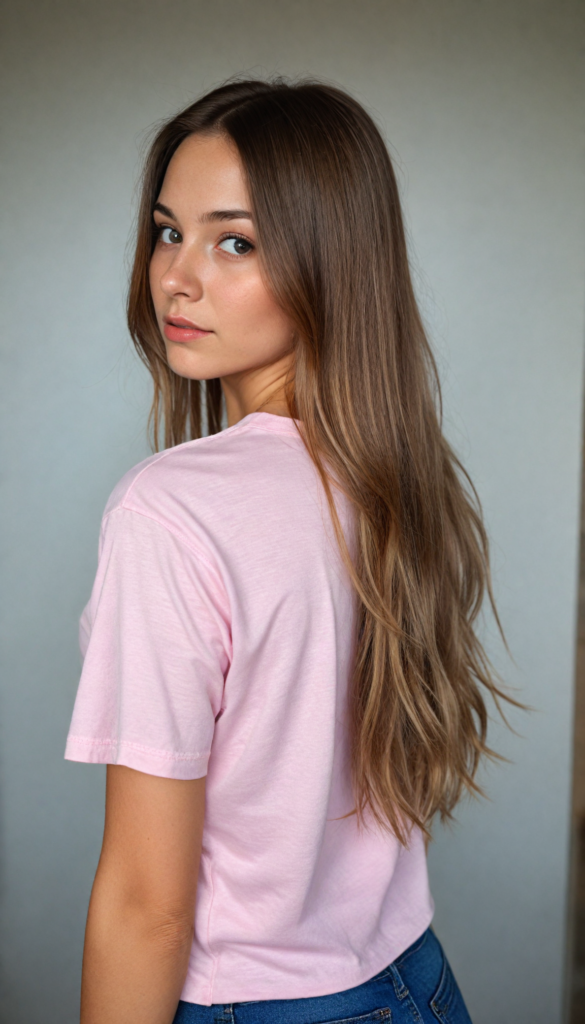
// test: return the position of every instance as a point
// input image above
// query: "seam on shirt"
(194, 550)
(255, 425)
(215, 438)
(122, 507)
(216, 581)
(152, 461)
(164, 755)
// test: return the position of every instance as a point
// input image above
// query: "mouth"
(178, 328)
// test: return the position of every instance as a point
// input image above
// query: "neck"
(260, 390)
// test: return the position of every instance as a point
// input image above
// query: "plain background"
(482, 105)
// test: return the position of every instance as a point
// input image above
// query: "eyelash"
(229, 234)
(235, 234)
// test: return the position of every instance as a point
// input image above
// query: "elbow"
(169, 929)
(167, 922)
(161, 923)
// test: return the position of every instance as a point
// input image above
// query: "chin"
(207, 366)
(187, 364)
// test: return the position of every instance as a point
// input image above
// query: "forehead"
(204, 173)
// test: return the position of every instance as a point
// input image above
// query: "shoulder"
(199, 480)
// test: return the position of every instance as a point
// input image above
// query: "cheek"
(251, 310)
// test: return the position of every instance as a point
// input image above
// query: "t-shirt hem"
(223, 990)
(166, 764)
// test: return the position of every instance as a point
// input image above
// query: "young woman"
(281, 670)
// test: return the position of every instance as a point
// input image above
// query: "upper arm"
(152, 840)
(156, 654)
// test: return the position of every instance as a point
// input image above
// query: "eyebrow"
(207, 217)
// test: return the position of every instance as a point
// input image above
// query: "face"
(213, 307)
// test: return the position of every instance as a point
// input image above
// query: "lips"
(178, 328)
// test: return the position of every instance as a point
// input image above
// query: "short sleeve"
(155, 640)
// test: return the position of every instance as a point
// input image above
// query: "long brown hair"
(365, 390)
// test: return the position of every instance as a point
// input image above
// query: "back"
(218, 641)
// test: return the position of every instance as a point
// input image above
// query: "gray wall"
(481, 102)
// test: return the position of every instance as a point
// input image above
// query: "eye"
(235, 245)
(169, 236)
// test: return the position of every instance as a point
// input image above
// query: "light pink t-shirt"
(218, 641)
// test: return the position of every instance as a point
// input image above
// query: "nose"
(181, 277)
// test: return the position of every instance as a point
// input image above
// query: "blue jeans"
(417, 988)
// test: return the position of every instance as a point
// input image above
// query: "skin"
(141, 913)
(209, 271)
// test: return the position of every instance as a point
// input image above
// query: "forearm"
(134, 962)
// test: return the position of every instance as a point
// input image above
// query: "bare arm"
(140, 920)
